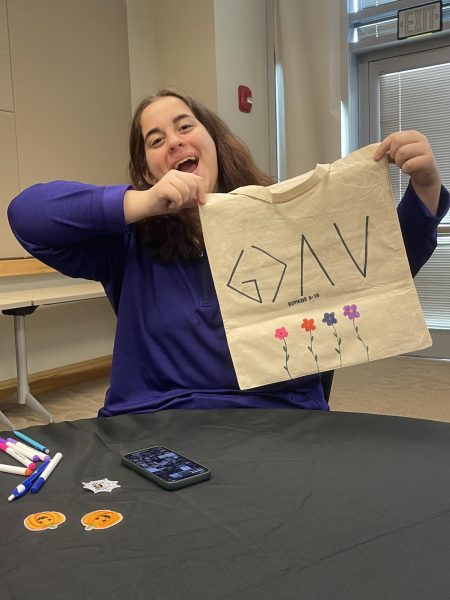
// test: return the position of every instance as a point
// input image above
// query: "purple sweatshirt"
(170, 348)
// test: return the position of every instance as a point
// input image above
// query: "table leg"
(5, 421)
(24, 395)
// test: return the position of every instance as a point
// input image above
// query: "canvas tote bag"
(311, 273)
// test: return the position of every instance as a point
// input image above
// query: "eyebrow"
(174, 121)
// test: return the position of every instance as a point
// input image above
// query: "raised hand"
(411, 152)
(175, 191)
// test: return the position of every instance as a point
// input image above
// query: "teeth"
(184, 160)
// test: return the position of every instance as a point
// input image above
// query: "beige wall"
(241, 59)
(9, 174)
(310, 48)
(6, 95)
(70, 72)
(172, 44)
(185, 41)
(205, 48)
(142, 49)
(64, 115)
(9, 183)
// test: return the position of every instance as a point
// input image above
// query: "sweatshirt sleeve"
(76, 228)
(419, 226)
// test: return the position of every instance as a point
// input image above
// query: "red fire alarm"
(245, 98)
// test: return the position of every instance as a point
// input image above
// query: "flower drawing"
(330, 320)
(309, 327)
(281, 334)
(351, 311)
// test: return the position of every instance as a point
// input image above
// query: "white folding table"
(18, 299)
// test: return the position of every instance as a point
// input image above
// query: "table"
(20, 297)
(74, 291)
(302, 505)
(10, 302)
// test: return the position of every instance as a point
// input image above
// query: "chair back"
(327, 381)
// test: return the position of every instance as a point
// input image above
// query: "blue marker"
(23, 487)
(28, 440)
(41, 479)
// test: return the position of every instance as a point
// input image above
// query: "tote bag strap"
(285, 191)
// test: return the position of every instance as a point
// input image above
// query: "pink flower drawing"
(281, 334)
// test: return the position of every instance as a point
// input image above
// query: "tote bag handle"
(285, 191)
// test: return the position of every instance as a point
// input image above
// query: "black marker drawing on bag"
(277, 282)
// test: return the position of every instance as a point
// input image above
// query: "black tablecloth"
(300, 505)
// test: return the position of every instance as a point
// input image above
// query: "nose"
(174, 141)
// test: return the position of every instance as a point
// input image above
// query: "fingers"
(383, 147)
(412, 153)
(178, 190)
(399, 142)
(402, 155)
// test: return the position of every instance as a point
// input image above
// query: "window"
(417, 99)
(373, 23)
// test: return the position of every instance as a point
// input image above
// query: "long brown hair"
(169, 236)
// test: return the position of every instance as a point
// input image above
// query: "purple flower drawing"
(331, 321)
(351, 311)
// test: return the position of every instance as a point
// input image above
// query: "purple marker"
(24, 451)
(18, 456)
(28, 451)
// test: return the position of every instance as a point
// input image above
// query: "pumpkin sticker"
(101, 519)
(44, 520)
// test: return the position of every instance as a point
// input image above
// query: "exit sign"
(417, 20)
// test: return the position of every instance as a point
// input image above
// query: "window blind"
(418, 99)
(356, 5)
(433, 286)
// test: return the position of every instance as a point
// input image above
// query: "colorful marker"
(22, 447)
(28, 440)
(20, 457)
(43, 476)
(27, 452)
(23, 487)
(15, 470)
(30, 455)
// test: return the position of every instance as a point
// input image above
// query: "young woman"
(144, 244)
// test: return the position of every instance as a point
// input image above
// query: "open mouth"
(188, 164)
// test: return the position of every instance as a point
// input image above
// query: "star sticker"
(101, 485)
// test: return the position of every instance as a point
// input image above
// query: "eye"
(156, 142)
(186, 126)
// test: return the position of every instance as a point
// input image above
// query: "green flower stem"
(360, 339)
(310, 348)
(338, 339)
(286, 357)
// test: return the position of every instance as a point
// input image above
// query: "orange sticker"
(44, 520)
(101, 519)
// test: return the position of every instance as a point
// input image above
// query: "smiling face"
(175, 139)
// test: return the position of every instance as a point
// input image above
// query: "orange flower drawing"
(309, 327)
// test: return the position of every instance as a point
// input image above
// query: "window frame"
(365, 66)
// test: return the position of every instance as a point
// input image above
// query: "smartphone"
(165, 467)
